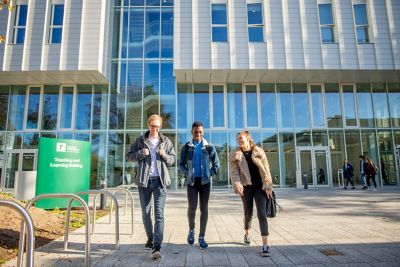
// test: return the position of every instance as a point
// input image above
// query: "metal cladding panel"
(34, 33)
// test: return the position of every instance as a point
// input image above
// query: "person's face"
(243, 141)
(198, 133)
(154, 127)
(345, 161)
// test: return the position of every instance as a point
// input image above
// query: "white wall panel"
(34, 35)
(3, 31)
(275, 35)
(393, 13)
(183, 44)
(237, 34)
(201, 34)
(346, 34)
(69, 55)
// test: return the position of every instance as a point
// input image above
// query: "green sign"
(63, 167)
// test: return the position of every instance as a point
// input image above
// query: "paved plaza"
(323, 227)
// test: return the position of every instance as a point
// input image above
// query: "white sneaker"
(374, 190)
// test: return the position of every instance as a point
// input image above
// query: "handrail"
(113, 198)
(30, 233)
(87, 218)
(127, 193)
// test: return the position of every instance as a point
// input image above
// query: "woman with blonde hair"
(251, 179)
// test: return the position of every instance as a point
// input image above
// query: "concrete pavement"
(321, 227)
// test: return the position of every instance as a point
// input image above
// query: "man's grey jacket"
(144, 162)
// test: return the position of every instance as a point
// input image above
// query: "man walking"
(199, 161)
(154, 153)
(363, 165)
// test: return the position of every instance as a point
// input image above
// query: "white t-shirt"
(153, 153)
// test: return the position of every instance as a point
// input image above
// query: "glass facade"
(303, 127)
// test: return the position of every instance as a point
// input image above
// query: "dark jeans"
(349, 179)
(193, 194)
(256, 193)
(155, 188)
(373, 180)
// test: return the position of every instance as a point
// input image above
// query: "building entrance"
(17, 161)
(315, 163)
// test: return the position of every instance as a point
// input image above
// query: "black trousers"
(256, 193)
(372, 177)
(349, 179)
(193, 194)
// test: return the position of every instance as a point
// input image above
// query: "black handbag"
(272, 206)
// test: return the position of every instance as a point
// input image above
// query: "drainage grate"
(331, 252)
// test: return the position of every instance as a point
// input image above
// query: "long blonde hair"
(248, 136)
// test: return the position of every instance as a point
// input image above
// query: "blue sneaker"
(265, 251)
(202, 243)
(190, 238)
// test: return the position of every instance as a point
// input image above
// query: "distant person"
(383, 172)
(321, 176)
(251, 180)
(370, 172)
(363, 166)
(348, 174)
(199, 162)
(154, 153)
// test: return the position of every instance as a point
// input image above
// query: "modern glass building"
(315, 82)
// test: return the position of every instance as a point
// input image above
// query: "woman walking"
(251, 179)
(370, 172)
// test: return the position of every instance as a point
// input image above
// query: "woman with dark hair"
(370, 172)
(251, 179)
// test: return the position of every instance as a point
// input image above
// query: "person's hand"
(161, 152)
(240, 192)
(146, 151)
(268, 191)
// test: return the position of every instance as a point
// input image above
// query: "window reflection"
(235, 105)
(117, 100)
(50, 107)
(333, 105)
(134, 95)
(218, 106)
(287, 159)
(394, 103)
(201, 104)
(251, 106)
(284, 105)
(365, 108)
(151, 90)
(4, 95)
(349, 105)
(270, 146)
(83, 107)
(380, 104)
(300, 100)
(317, 106)
(136, 32)
(100, 102)
(336, 145)
(268, 105)
(17, 107)
(152, 33)
(167, 95)
(32, 116)
(167, 33)
(98, 159)
(66, 107)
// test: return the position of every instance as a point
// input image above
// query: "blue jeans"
(362, 178)
(155, 188)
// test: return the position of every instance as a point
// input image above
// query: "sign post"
(63, 167)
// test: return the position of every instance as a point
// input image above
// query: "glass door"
(314, 164)
(17, 160)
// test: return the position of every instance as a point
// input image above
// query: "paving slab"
(359, 228)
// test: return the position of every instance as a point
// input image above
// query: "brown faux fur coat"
(239, 170)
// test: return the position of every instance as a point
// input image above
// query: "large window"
(56, 23)
(300, 100)
(32, 111)
(317, 106)
(16, 109)
(21, 12)
(361, 23)
(50, 107)
(201, 104)
(365, 108)
(235, 105)
(326, 23)
(67, 101)
(333, 105)
(83, 107)
(284, 105)
(380, 103)
(4, 95)
(255, 24)
(349, 106)
(268, 105)
(252, 105)
(394, 103)
(219, 23)
(218, 106)
(152, 33)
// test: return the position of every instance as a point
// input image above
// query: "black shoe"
(155, 253)
(345, 188)
(247, 239)
(353, 187)
(149, 244)
(364, 187)
(265, 251)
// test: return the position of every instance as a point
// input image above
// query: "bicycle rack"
(127, 193)
(340, 175)
(87, 226)
(30, 234)
(113, 198)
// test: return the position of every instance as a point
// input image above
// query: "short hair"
(197, 124)
(362, 157)
(155, 117)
